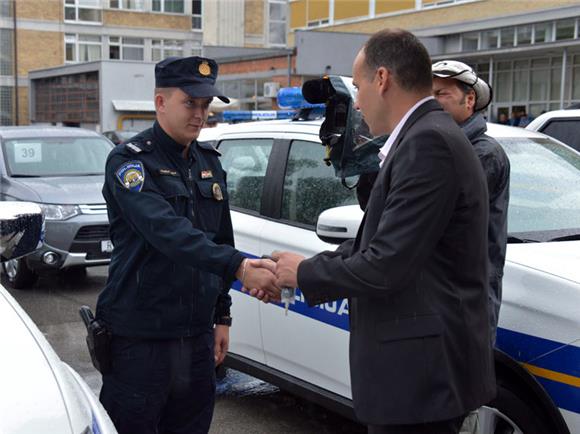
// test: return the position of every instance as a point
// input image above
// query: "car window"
(56, 156)
(310, 186)
(565, 130)
(544, 186)
(245, 162)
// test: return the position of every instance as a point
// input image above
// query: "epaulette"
(137, 147)
(209, 146)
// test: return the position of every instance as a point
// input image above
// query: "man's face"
(180, 115)
(368, 95)
(454, 101)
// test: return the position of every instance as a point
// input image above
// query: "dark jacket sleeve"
(416, 211)
(153, 218)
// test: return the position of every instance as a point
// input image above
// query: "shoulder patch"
(209, 146)
(131, 175)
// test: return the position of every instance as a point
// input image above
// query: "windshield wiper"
(515, 240)
(25, 176)
(571, 237)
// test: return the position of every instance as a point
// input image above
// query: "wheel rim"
(489, 420)
(11, 268)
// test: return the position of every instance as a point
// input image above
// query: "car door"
(310, 343)
(245, 161)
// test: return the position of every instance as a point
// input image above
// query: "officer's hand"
(260, 281)
(221, 335)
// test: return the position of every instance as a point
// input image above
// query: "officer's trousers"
(164, 386)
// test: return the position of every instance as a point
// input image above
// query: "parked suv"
(61, 169)
(563, 125)
(278, 185)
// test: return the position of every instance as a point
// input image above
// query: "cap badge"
(204, 69)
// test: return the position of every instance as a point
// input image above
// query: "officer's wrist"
(224, 320)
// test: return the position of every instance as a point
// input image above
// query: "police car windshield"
(56, 156)
(544, 188)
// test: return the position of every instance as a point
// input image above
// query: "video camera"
(350, 148)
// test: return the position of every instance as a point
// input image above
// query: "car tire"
(508, 413)
(19, 274)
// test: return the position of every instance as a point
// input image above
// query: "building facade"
(42, 34)
(528, 50)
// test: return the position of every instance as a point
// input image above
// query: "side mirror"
(21, 229)
(339, 224)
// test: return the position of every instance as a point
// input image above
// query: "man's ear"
(383, 77)
(159, 102)
(470, 99)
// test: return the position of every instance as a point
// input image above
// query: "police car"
(39, 393)
(284, 197)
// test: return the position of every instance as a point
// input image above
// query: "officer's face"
(453, 99)
(180, 115)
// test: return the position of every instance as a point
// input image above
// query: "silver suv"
(61, 169)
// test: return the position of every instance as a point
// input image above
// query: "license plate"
(106, 246)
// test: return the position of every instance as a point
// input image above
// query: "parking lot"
(244, 404)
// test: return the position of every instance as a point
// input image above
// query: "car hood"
(559, 258)
(66, 189)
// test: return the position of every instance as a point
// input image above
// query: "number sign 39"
(27, 152)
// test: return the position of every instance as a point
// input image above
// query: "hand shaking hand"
(265, 278)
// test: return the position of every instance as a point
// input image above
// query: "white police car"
(39, 393)
(278, 185)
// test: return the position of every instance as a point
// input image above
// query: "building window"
(490, 39)
(542, 32)
(6, 52)
(196, 14)
(83, 10)
(160, 49)
(469, 41)
(565, 29)
(6, 105)
(126, 48)
(524, 35)
(507, 37)
(82, 48)
(196, 49)
(5, 9)
(135, 5)
(171, 6)
(277, 18)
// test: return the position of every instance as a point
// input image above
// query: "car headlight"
(59, 212)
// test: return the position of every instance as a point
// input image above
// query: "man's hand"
(258, 279)
(287, 268)
(221, 336)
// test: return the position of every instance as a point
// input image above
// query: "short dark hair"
(404, 55)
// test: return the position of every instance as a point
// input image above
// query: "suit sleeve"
(416, 211)
(153, 218)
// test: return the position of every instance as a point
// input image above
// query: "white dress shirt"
(387, 146)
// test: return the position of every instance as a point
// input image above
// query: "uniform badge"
(131, 175)
(168, 172)
(217, 191)
(204, 69)
(206, 174)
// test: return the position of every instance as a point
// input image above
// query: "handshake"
(264, 278)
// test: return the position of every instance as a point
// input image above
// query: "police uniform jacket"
(173, 260)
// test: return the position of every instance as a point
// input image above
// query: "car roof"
(34, 131)
(313, 127)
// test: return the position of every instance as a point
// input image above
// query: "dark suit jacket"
(416, 280)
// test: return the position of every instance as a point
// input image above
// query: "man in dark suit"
(415, 275)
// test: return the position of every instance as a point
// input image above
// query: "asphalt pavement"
(244, 404)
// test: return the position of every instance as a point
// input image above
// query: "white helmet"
(465, 74)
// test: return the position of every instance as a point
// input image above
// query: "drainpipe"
(562, 82)
(14, 42)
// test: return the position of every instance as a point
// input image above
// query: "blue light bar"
(291, 98)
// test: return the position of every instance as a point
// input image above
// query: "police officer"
(464, 96)
(166, 301)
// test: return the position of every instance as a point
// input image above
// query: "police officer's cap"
(194, 75)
